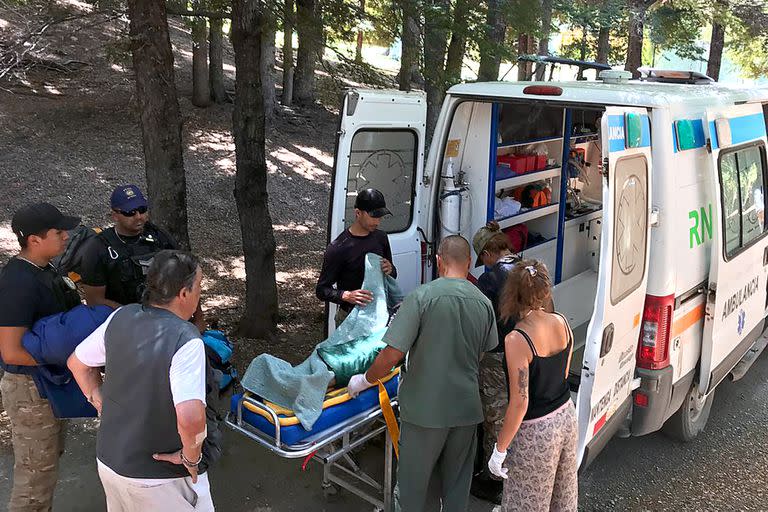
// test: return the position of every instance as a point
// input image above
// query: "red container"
(518, 164)
(530, 163)
(541, 162)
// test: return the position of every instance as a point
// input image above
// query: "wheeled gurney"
(345, 424)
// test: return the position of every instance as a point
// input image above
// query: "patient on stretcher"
(351, 349)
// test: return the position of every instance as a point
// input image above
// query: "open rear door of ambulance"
(736, 298)
(608, 371)
(380, 144)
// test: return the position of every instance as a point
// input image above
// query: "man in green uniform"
(444, 327)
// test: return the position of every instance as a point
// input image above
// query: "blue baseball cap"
(127, 198)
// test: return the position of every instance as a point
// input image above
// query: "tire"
(691, 418)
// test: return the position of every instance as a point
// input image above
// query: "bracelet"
(188, 463)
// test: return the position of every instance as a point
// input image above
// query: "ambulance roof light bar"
(673, 76)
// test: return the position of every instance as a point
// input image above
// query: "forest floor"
(70, 137)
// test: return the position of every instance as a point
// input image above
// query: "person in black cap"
(115, 262)
(30, 289)
(344, 261)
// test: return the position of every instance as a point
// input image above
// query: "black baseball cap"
(40, 217)
(371, 201)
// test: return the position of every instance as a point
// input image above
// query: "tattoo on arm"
(522, 377)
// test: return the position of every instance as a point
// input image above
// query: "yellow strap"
(389, 418)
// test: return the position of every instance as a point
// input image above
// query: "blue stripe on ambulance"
(616, 135)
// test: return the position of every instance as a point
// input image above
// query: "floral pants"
(542, 464)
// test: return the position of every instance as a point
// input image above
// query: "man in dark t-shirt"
(114, 262)
(31, 289)
(344, 262)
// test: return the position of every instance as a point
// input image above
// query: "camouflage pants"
(37, 438)
(494, 394)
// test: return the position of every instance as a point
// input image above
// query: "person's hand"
(95, 400)
(357, 297)
(175, 458)
(357, 384)
(386, 266)
(496, 463)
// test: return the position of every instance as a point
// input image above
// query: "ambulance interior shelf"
(531, 164)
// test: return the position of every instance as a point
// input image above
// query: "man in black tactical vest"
(114, 263)
(150, 444)
(30, 289)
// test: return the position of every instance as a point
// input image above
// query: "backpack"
(218, 350)
(68, 263)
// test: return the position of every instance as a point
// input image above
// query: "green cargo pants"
(448, 453)
(36, 435)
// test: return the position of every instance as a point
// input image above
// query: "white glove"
(357, 384)
(496, 463)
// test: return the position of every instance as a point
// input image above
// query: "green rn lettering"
(702, 226)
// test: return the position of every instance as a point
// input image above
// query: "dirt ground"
(70, 138)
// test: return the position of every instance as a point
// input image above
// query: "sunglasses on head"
(141, 209)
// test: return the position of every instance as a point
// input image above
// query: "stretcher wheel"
(330, 492)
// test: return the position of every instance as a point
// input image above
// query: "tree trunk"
(435, 41)
(359, 47)
(288, 17)
(201, 86)
(458, 44)
(492, 47)
(159, 116)
(546, 28)
(409, 59)
(216, 58)
(716, 44)
(260, 317)
(603, 44)
(310, 49)
(268, 71)
(637, 10)
(525, 46)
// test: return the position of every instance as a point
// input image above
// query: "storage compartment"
(543, 188)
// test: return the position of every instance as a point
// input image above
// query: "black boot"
(486, 488)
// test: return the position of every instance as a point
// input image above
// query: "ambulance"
(644, 198)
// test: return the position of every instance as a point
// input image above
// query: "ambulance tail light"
(543, 90)
(653, 346)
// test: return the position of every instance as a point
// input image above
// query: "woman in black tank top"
(535, 452)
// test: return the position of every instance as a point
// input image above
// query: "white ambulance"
(645, 199)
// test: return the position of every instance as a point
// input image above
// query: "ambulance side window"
(384, 160)
(742, 181)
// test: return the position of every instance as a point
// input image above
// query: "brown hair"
(527, 287)
(455, 249)
(499, 242)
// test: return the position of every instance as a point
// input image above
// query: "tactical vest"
(127, 264)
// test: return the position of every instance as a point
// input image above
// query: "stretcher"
(344, 425)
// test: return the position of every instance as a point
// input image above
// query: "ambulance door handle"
(765, 256)
(607, 343)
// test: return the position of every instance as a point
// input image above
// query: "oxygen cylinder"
(450, 203)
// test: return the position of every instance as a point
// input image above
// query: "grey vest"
(138, 416)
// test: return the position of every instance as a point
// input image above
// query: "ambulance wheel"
(692, 416)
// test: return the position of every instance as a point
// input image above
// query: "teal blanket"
(349, 350)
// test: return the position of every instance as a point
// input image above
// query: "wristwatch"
(188, 463)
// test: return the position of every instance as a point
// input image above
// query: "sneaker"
(487, 489)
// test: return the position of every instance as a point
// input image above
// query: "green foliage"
(676, 26)
(584, 19)
(747, 37)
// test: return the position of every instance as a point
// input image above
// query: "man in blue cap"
(114, 263)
